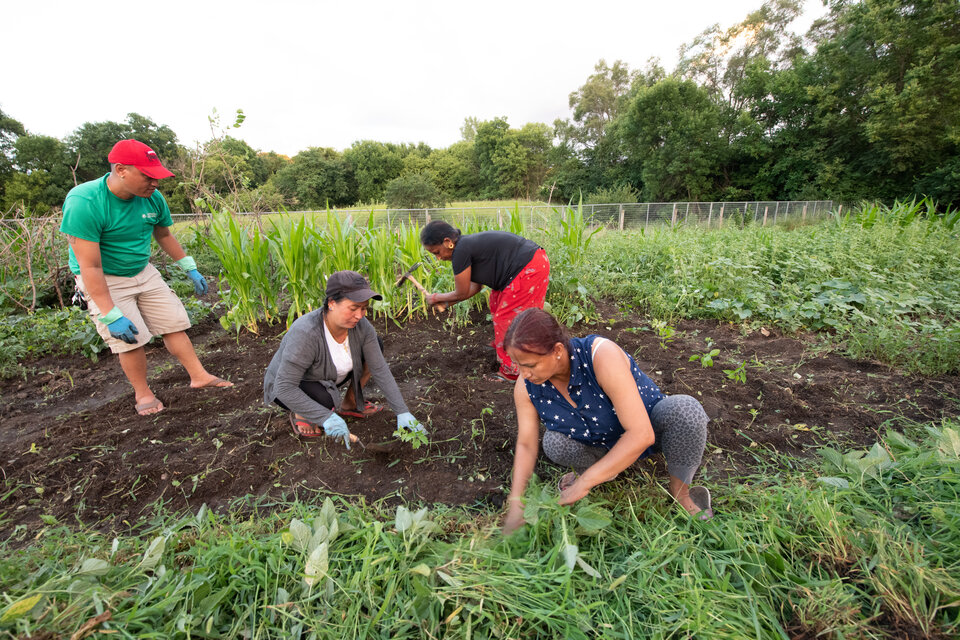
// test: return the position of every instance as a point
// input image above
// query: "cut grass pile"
(868, 546)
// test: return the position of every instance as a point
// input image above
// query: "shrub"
(413, 191)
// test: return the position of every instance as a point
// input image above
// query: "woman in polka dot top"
(601, 414)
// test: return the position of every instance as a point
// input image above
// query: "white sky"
(327, 73)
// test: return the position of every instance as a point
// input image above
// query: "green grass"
(868, 544)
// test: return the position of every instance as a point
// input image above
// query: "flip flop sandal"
(215, 383)
(148, 405)
(297, 429)
(369, 408)
(701, 497)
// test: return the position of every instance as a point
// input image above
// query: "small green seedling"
(706, 359)
(664, 332)
(412, 437)
(739, 374)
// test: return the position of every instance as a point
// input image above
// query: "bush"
(613, 195)
(413, 191)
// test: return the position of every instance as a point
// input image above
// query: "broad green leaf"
(590, 571)
(422, 569)
(328, 514)
(592, 518)
(404, 519)
(316, 566)
(153, 554)
(20, 608)
(839, 483)
(320, 536)
(570, 553)
(450, 580)
(301, 535)
(93, 567)
(949, 444)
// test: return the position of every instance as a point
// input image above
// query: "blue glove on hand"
(335, 427)
(199, 282)
(408, 422)
(123, 329)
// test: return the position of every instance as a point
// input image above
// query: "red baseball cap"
(139, 155)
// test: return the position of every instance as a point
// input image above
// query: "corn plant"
(245, 266)
(343, 244)
(297, 251)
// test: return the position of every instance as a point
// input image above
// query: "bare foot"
(148, 405)
(210, 380)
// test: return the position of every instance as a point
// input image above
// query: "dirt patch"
(72, 446)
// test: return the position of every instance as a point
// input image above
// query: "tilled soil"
(72, 447)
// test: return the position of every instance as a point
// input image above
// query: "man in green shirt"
(109, 223)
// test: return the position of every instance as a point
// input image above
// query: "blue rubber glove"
(408, 422)
(123, 329)
(199, 282)
(335, 427)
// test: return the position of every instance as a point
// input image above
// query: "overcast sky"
(328, 73)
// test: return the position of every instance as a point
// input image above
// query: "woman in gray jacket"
(326, 350)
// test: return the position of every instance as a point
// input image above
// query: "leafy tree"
(90, 144)
(468, 130)
(317, 177)
(872, 112)
(10, 130)
(672, 137)
(413, 191)
(374, 164)
(490, 136)
(454, 171)
(44, 178)
(587, 156)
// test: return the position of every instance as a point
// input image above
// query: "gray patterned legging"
(679, 426)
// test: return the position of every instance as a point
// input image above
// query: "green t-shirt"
(124, 228)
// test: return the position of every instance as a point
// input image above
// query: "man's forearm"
(95, 284)
(170, 245)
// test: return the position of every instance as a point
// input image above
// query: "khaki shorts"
(147, 301)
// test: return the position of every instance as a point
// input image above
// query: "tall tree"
(44, 176)
(671, 135)
(91, 143)
(317, 177)
(374, 164)
(10, 130)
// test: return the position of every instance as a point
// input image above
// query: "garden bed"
(71, 444)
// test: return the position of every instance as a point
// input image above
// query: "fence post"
(426, 217)
(647, 223)
(776, 211)
(686, 215)
(621, 217)
(720, 222)
(673, 216)
(803, 214)
(710, 216)
(765, 216)
(499, 219)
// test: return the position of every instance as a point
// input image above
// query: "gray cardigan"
(303, 355)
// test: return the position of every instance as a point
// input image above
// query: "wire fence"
(622, 216)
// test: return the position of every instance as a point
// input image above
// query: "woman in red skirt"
(516, 270)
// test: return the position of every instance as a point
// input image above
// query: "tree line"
(866, 105)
